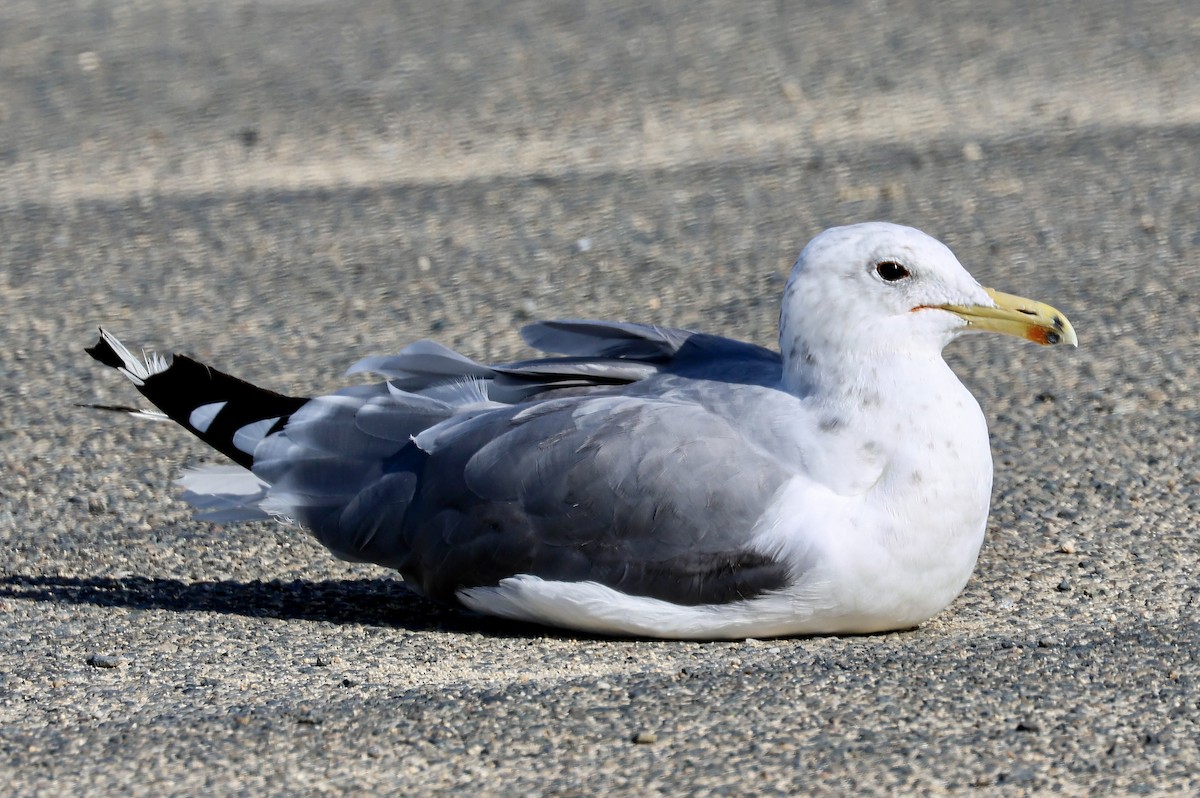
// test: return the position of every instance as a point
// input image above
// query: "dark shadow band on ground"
(366, 602)
(372, 602)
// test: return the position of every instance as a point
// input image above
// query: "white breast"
(890, 531)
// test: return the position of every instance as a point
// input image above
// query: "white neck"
(871, 412)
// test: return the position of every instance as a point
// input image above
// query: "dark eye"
(890, 271)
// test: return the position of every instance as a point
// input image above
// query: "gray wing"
(611, 482)
(614, 339)
(650, 497)
(597, 354)
(460, 474)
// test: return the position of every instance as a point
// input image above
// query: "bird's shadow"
(372, 602)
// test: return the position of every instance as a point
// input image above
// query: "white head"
(879, 290)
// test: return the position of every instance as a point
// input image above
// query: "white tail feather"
(224, 493)
(136, 370)
(153, 415)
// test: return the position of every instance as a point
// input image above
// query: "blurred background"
(283, 187)
(455, 167)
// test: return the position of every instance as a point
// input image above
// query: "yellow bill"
(1016, 315)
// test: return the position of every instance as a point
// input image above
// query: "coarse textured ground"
(281, 188)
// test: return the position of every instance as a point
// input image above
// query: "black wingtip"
(178, 386)
(110, 408)
(104, 352)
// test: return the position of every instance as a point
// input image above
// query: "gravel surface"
(280, 188)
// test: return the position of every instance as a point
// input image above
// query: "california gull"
(648, 480)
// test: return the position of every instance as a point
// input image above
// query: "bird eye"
(891, 271)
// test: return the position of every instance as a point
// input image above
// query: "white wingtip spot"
(248, 437)
(202, 417)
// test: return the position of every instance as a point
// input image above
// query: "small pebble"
(645, 738)
(1064, 585)
(103, 661)
(1067, 547)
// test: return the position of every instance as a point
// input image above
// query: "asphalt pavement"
(280, 188)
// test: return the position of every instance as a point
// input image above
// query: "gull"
(647, 481)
